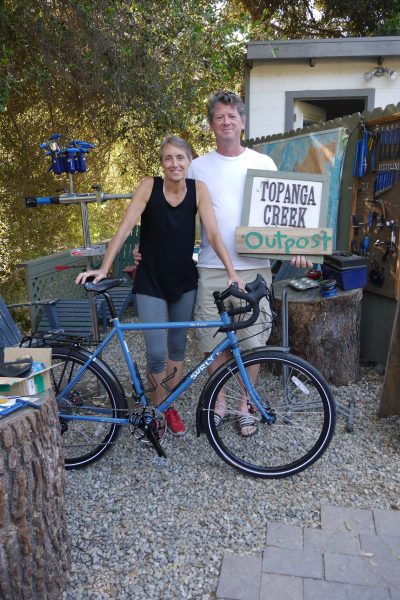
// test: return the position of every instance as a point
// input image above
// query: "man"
(224, 172)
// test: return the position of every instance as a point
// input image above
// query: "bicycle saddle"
(16, 368)
(103, 285)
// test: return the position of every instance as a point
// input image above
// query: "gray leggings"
(158, 341)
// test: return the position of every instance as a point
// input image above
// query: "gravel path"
(141, 530)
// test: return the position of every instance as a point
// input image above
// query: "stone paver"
(383, 572)
(345, 568)
(329, 590)
(387, 522)
(297, 563)
(240, 578)
(321, 540)
(355, 555)
(281, 587)
(285, 535)
(394, 594)
(387, 547)
(356, 520)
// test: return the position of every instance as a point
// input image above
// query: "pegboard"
(374, 228)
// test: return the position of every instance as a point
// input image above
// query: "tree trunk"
(34, 546)
(324, 331)
(390, 400)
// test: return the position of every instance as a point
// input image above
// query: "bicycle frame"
(118, 330)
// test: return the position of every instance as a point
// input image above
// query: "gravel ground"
(141, 530)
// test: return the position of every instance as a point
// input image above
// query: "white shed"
(295, 83)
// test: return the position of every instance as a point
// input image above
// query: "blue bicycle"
(289, 400)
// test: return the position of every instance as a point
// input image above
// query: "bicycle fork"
(267, 414)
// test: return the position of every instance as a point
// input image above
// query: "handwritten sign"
(284, 200)
(290, 241)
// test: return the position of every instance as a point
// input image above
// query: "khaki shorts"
(212, 280)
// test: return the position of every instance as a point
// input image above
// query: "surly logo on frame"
(201, 368)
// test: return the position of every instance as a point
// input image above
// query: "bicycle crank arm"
(149, 432)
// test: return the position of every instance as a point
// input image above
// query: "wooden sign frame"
(280, 203)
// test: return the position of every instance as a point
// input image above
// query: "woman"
(166, 277)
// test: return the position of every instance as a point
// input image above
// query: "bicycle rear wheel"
(304, 415)
(97, 393)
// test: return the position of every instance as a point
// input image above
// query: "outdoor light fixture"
(380, 72)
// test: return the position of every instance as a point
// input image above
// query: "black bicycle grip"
(255, 290)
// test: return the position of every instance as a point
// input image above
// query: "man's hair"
(177, 141)
(226, 98)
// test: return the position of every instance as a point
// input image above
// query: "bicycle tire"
(304, 410)
(84, 442)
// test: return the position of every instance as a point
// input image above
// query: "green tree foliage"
(120, 74)
(309, 18)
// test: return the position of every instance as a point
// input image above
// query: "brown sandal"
(247, 422)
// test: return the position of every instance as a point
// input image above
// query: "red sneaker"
(174, 423)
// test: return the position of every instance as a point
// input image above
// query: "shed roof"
(367, 47)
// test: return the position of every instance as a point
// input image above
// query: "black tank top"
(167, 236)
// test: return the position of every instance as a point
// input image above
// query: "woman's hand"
(98, 275)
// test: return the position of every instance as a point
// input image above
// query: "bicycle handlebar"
(255, 290)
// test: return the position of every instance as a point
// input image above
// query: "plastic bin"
(347, 279)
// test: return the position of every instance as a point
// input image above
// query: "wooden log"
(324, 331)
(390, 399)
(34, 545)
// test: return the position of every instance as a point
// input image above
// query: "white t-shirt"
(225, 177)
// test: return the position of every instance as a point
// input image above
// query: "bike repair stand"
(88, 259)
(72, 159)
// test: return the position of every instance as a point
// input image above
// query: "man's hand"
(237, 279)
(137, 257)
(301, 261)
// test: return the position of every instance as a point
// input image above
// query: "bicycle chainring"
(146, 416)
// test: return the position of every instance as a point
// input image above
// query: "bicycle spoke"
(94, 395)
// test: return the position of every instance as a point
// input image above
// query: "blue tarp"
(317, 152)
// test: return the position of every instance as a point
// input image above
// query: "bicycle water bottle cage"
(255, 290)
(103, 285)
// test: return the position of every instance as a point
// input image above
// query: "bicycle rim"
(304, 412)
(94, 394)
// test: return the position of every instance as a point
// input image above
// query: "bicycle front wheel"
(291, 390)
(95, 394)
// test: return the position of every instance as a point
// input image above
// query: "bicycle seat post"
(110, 304)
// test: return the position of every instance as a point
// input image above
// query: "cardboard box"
(34, 383)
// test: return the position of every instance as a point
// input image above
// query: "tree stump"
(34, 546)
(323, 331)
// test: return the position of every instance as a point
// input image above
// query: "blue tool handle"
(355, 164)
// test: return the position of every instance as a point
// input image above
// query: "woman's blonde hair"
(175, 140)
